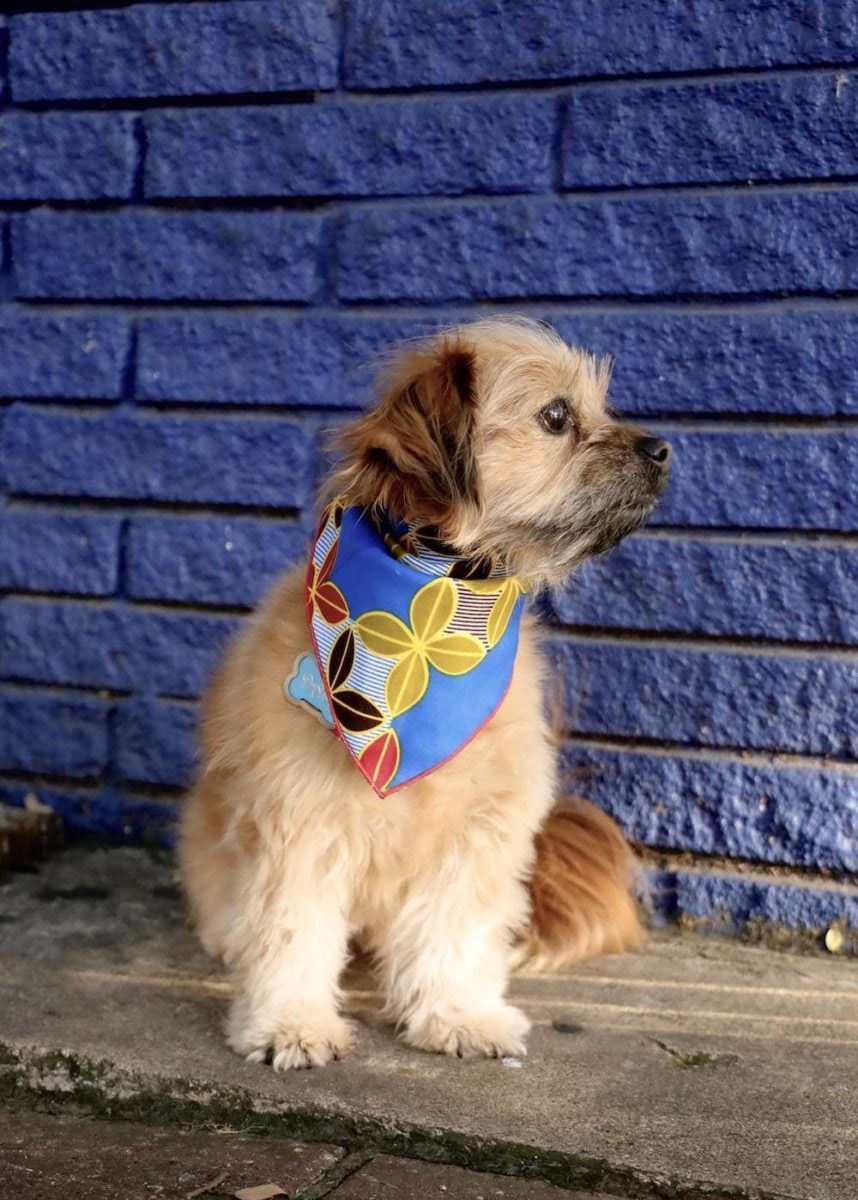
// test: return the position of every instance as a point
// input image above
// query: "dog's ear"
(413, 454)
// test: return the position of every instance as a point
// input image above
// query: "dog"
(491, 464)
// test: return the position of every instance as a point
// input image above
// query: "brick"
(704, 696)
(804, 815)
(785, 362)
(174, 49)
(475, 41)
(229, 560)
(799, 127)
(62, 358)
(101, 811)
(791, 363)
(125, 648)
(43, 735)
(316, 361)
(58, 552)
(647, 246)
(155, 741)
(793, 591)
(153, 457)
(768, 480)
(66, 156)
(727, 903)
(150, 255)
(492, 144)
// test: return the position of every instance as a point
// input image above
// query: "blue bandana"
(411, 654)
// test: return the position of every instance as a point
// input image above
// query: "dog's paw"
(292, 1047)
(496, 1033)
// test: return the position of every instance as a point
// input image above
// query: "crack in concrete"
(334, 1175)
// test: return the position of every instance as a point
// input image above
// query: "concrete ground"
(62, 1157)
(693, 1068)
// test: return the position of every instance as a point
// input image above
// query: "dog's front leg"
(294, 933)
(445, 961)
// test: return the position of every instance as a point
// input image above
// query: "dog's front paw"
(293, 1045)
(495, 1033)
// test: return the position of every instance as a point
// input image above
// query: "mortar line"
(297, 516)
(777, 304)
(737, 756)
(666, 421)
(621, 303)
(569, 634)
(496, 88)
(659, 860)
(608, 80)
(322, 204)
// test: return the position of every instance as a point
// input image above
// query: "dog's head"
(497, 434)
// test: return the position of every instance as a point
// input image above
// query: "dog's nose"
(655, 449)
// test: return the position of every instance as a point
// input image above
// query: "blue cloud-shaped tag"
(304, 686)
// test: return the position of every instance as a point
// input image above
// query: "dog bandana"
(412, 653)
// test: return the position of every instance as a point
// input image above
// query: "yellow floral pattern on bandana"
(421, 644)
(503, 608)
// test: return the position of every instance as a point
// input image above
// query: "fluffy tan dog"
(496, 434)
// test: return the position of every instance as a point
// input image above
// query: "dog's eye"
(555, 417)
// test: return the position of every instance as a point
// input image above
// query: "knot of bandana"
(414, 649)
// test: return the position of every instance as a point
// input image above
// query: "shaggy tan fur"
(287, 854)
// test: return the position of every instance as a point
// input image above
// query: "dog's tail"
(582, 890)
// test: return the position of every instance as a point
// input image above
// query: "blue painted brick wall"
(214, 216)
